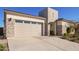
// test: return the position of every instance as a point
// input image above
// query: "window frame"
(19, 21)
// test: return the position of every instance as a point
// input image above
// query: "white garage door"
(27, 29)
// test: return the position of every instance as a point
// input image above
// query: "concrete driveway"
(61, 44)
(41, 43)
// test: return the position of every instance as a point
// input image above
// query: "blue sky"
(70, 13)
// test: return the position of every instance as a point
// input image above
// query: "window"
(33, 22)
(19, 21)
(39, 23)
(26, 21)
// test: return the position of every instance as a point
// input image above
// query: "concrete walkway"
(41, 44)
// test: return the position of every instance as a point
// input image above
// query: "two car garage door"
(28, 29)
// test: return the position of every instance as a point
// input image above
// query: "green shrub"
(2, 47)
(65, 34)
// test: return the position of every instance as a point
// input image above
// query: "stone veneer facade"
(8, 26)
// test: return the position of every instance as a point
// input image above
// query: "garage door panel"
(24, 30)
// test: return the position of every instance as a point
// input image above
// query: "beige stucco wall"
(9, 27)
(61, 27)
(65, 25)
(24, 18)
(52, 15)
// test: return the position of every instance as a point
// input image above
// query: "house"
(20, 25)
(17, 24)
